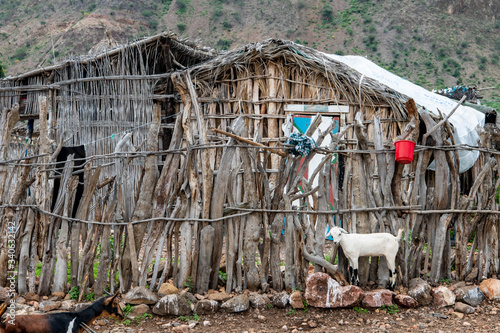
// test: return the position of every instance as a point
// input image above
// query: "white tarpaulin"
(465, 119)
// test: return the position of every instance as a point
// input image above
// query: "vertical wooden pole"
(272, 128)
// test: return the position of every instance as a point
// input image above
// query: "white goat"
(372, 245)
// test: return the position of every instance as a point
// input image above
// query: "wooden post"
(272, 127)
(68, 185)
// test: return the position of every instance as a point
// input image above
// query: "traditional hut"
(217, 190)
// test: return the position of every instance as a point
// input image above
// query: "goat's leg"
(391, 260)
(350, 278)
(354, 269)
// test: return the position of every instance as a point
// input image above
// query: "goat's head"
(112, 307)
(336, 233)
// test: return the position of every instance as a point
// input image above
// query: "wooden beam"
(250, 142)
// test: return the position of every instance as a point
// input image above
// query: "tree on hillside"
(2, 72)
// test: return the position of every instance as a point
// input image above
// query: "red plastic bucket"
(404, 151)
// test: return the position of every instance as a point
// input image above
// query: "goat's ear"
(343, 231)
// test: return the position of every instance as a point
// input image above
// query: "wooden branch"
(250, 142)
(435, 127)
(408, 129)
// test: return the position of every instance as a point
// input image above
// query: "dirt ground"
(425, 319)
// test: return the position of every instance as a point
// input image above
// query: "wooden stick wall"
(217, 204)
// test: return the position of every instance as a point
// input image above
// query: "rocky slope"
(433, 43)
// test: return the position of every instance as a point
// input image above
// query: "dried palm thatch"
(334, 81)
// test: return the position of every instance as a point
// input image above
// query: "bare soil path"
(425, 319)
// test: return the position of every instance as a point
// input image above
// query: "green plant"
(390, 309)
(304, 303)
(138, 320)
(181, 27)
(360, 310)
(446, 281)
(182, 5)
(90, 297)
(291, 312)
(189, 283)
(74, 293)
(126, 322)
(193, 317)
(147, 13)
(223, 275)
(269, 306)
(127, 309)
(327, 13)
(224, 44)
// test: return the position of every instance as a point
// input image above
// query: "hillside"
(435, 43)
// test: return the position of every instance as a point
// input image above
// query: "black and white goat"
(368, 245)
(62, 322)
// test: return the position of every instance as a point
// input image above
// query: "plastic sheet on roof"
(464, 120)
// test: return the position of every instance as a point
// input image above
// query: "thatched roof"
(350, 84)
(184, 51)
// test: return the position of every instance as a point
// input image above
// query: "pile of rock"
(321, 291)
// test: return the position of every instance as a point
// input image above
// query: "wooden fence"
(221, 211)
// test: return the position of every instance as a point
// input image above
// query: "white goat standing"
(372, 245)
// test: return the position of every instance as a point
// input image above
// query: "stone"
(259, 301)
(219, 296)
(139, 310)
(22, 309)
(281, 300)
(189, 296)
(4, 294)
(167, 289)
(237, 304)
(416, 282)
(464, 308)
(32, 297)
(181, 329)
(472, 275)
(324, 292)
(443, 296)
(420, 291)
(439, 315)
(59, 294)
(377, 298)
(406, 301)
(81, 306)
(68, 305)
(296, 300)
(140, 295)
(471, 295)
(174, 304)
(491, 289)
(46, 306)
(457, 315)
(34, 304)
(206, 306)
(457, 285)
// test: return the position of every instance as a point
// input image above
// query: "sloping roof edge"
(184, 45)
(465, 119)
